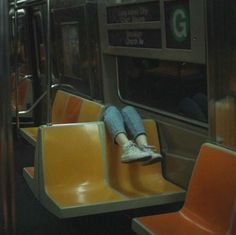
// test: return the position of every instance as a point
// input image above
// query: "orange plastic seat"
(210, 199)
(22, 90)
(71, 178)
(67, 108)
(70, 169)
(30, 134)
(31, 178)
(135, 180)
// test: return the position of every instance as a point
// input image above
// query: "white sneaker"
(132, 153)
(154, 156)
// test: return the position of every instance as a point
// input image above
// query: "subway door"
(20, 66)
(76, 50)
(38, 49)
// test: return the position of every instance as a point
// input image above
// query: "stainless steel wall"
(221, 21)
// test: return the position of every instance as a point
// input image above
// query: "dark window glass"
(70, 41)
(174, 87)
(40, 43)
(71, 48)
(22, 49)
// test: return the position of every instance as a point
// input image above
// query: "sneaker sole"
(152, 161)
(136, 160)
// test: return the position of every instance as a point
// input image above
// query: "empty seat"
(22, 89)
(67, 108)
(71, 171)
(210, 199)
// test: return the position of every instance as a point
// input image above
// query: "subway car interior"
(64, 63)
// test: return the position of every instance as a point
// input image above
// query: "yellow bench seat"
(67, 108)
(72, 174)
(135, 180)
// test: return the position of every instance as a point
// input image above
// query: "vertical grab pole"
(7, 188)
(16, 66)
(48, 64)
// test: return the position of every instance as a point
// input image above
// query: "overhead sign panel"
(132, 13)
(177, 19)
(135, 38)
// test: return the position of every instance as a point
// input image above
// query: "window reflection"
(70, 38)
(40, 43)
(22, 50)
(175, 87)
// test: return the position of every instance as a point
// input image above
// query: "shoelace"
(131, 145)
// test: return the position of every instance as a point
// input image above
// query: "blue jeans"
(117, 121)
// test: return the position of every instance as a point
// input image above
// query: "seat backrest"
(66, 108)
(22, 90)
(69, 108)
(68, 152)
(90, 111)
(212, 190)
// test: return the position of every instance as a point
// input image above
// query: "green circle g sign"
(179, 23)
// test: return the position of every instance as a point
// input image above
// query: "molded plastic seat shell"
(71, 176)
(210, 199)
(22, 89)
(67, 108)
(75, 176)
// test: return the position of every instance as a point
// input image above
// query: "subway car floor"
(33, 219)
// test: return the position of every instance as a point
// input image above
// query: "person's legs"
(133, 121)
(115, 125)
(114, 122)
(135, 126)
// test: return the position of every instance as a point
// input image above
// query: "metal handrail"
(33, 105)
(24, 3)
(17, 72)
(20, 80)
(48, 61)
(56, 85)
(63, 85)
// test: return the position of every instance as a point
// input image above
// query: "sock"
(141, 140)
(121, 139)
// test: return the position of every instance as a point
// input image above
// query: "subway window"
(76, 43)
(71, 44)
(170, 87)
(23, 58)
(70, 47)
(40, 43)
